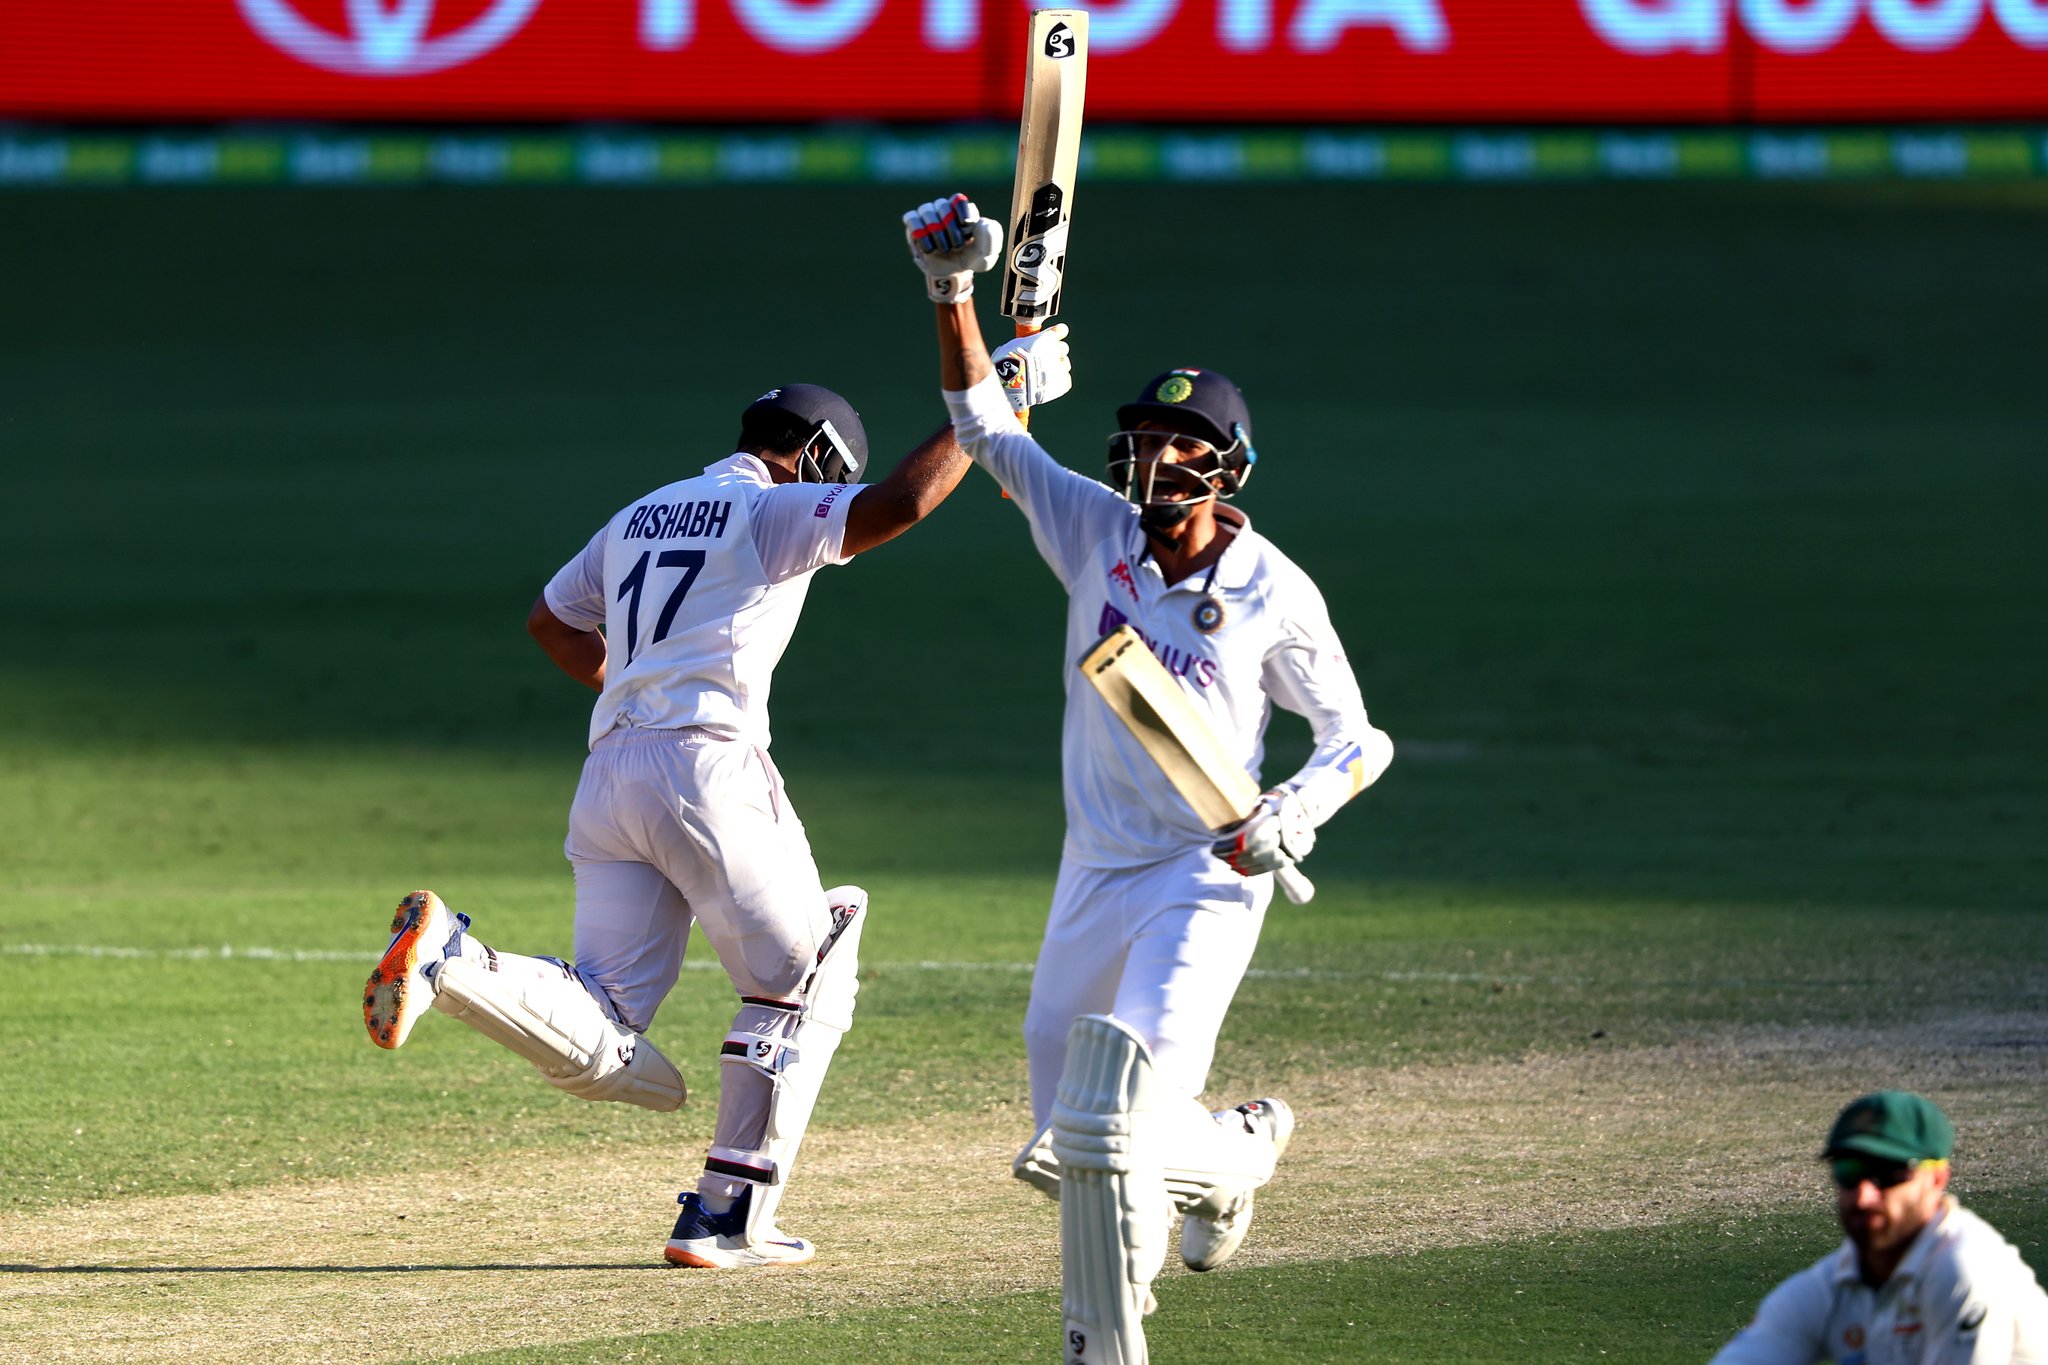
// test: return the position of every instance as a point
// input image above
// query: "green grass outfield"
(1687, 540)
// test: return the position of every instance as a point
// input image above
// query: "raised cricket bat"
(1048, 162)
(1146, 698)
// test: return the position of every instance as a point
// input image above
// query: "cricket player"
(1919, 1280)
(676, 613)
(1154, 918)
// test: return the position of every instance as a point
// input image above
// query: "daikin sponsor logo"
(385, 37)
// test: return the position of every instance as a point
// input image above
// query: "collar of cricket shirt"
(1232, 569)
(743, 463)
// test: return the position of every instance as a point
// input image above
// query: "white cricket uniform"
(680, 813)
(1146, 923)
(1961, 1296)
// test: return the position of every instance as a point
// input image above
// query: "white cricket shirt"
(1272, 643)
(698, 586)
(1962, 1294)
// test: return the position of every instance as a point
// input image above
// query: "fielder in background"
(681, 817)
(1920, 1280)
(1154, 918)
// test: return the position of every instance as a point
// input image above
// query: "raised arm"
(915, 487)
(963, 354)
(951, 241)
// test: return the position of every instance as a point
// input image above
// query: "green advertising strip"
(656, 157)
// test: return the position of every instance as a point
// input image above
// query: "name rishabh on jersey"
(698, 587)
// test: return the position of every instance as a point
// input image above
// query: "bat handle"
(1025, 329)
(1299, 889)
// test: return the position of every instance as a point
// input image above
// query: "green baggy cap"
(1892, 1125)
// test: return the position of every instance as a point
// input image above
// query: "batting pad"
(775, 1060)
(1210, 1161)
(539, 1009)
(1113, 1202)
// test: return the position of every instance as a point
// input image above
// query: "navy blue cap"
(1202, 402)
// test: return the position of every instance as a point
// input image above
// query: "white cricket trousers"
(1162, 947)
(671, 826)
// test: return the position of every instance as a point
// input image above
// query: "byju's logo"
(385, 37)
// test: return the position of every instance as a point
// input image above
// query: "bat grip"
(1025, 329)
(1299, 889)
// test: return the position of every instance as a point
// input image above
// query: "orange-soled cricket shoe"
(424, 932)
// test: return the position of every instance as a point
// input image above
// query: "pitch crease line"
(228, 952)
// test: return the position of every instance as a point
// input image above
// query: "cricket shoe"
(424, 933)
(718, 1241)
(1206, 1243)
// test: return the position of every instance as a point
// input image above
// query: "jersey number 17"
(691, 562)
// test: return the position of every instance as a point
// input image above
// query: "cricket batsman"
(1153, 918)
(676, 613)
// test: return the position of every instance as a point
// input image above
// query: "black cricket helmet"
(820, 426)
(1201, 413)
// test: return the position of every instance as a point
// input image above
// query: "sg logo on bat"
(1059, 42)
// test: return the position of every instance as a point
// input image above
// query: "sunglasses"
(1852, 1171)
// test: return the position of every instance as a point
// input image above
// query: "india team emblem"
(1177, 387)
(1209, 615)
(386, 37)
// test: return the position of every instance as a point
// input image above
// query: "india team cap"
(808, 405)
(1892, 1125)
(1214, 404)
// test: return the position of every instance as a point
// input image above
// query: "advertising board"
(1179, 61)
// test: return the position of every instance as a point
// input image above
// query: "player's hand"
(1278, 834)
(1035, 369)
(950, 240)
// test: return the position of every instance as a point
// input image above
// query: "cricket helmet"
(820, 426)
(1216, 460)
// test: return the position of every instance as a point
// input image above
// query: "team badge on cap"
(1209, 615)
(1175, 388)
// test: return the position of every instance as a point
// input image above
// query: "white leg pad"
(1113, 1201)
(1208, 1165)
(791, 1043)
(547, 1017)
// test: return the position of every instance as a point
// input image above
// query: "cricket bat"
(1145, 697)
(1048, 162)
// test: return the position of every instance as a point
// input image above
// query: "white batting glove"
(1278, 834)
(1035, 369)
(950, 240)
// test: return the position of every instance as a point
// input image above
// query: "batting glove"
(1035, 369)
(1278, 834)
(950, 240)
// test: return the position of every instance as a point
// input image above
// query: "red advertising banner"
(1180, 61)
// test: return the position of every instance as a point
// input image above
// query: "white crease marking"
(228, 952)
